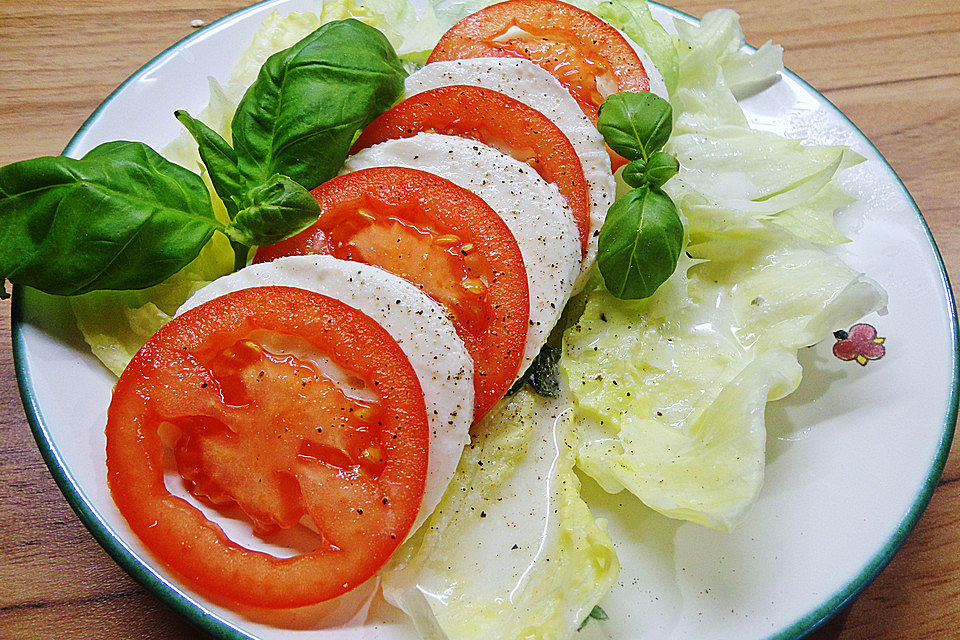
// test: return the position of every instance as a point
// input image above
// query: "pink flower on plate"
(860, 343)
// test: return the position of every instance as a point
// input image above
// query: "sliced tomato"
(498, 121)
(588, 56)
(270, 433)
(445, 240)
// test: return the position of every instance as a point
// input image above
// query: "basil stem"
(241, 252)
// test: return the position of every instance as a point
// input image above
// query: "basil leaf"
(597, 613)
(219, 158)
(660, 168)
(300, 116)
(274, 210)
(635, 125)
(635, 173)
(542, 375)
(122, 217)
(653, 172)
(640, 243)
(544, 372)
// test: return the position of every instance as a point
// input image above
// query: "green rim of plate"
(181, 601)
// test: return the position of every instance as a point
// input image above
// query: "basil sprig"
(294, 127)
(123, 217)
(300, 116)
(642, 236)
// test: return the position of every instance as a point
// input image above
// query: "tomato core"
(442, 264)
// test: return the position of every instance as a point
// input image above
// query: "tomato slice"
(588, 56)
(498, 121)
(442, 238)
(270, 433)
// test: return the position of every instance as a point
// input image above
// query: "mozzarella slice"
(524, 81)
(419, 324)
(535, 212)
(657, 84)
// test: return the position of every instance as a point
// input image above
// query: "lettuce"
(671, 390)
(732, 175)
(117, 323)
(735, 177)
(511, 552)
(718, 39)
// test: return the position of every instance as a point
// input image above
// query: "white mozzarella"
(419, 324)
(534, 211)
(657, 84)
(524, 81)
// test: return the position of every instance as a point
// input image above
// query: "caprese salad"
(404, 247)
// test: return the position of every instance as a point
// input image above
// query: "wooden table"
(889, 65)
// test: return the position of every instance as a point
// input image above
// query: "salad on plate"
(413, 277)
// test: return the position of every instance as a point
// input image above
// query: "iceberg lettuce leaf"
(277, 32)
(672, 390)
(732, 175)
(718, 40)
(117, 323)
(511, 552)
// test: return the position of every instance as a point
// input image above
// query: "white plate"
(852, 459)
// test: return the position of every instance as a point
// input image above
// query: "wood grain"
(889, 65)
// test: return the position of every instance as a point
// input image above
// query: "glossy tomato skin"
(498, 121)
(445, 240)
(588, 56)
(203, 375)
